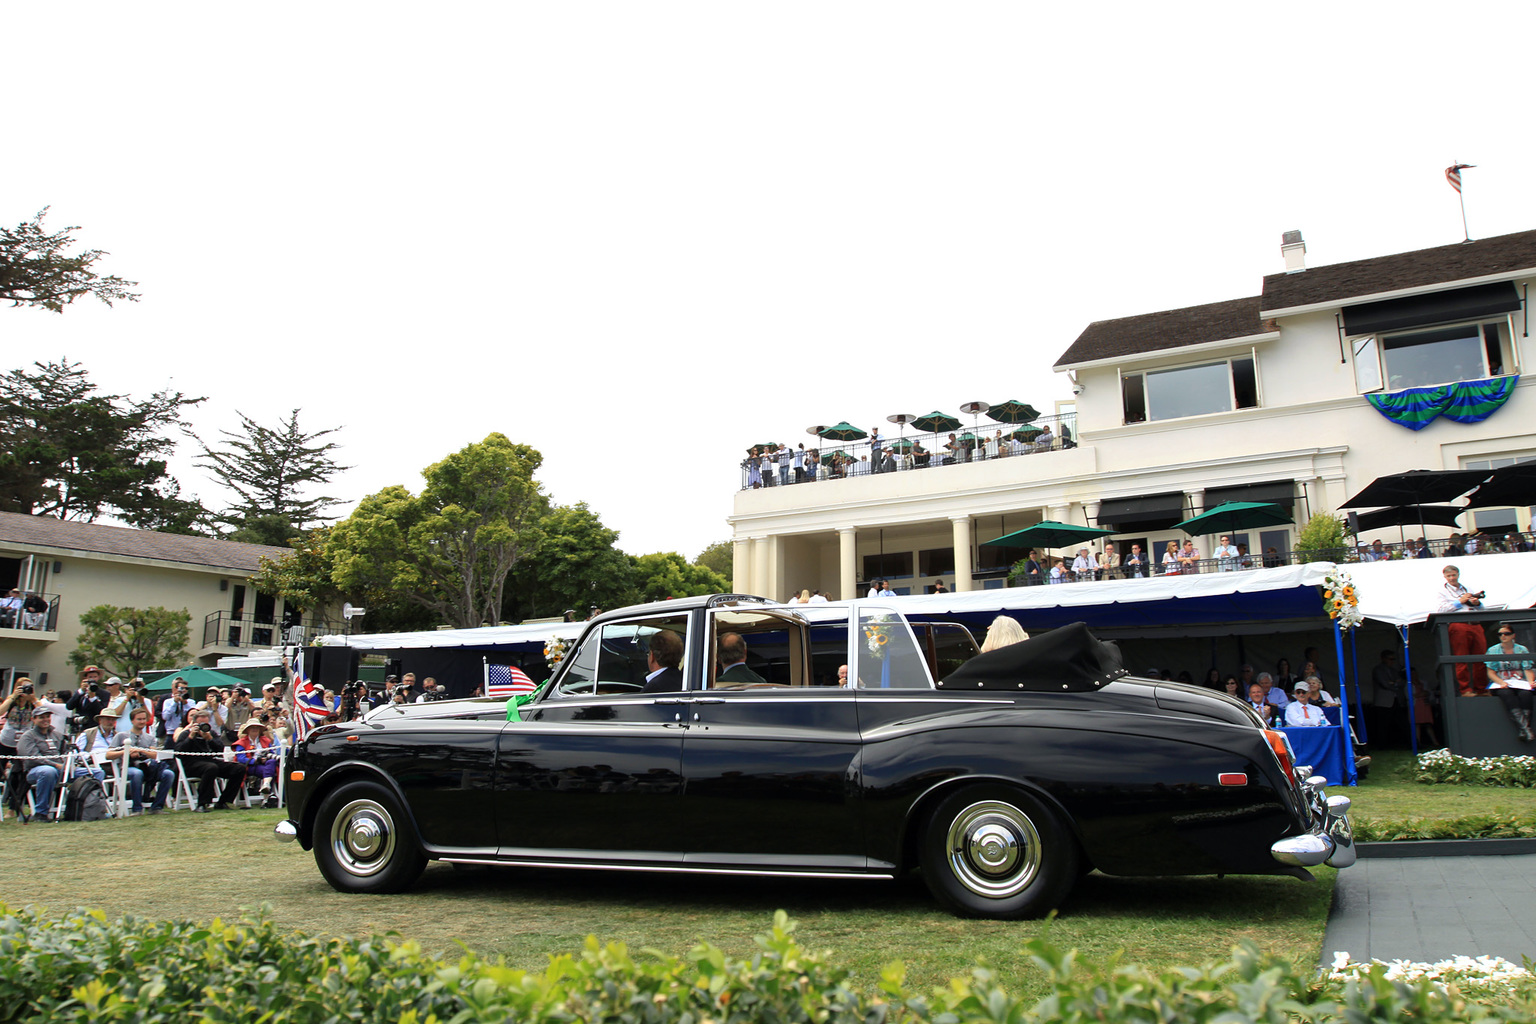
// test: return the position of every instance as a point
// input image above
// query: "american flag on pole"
(1453, 175)
(309, 708)
(506, 681)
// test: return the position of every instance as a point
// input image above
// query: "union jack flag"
(309, 707)
(1453, 175)
(506, 681)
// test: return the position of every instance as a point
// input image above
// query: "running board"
(675, 868)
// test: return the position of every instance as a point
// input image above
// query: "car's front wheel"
(363, 842)
(990, 851)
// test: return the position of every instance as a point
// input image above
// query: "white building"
(1270, 398)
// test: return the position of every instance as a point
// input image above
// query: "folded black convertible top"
(1065, 660)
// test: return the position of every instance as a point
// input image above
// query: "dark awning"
(1434, 308)
(1277, 492)
(1152, 511)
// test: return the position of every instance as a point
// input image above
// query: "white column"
(848, 564)
(961, 527)
(741, 565)
(760, 581)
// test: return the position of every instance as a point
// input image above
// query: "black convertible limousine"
(1001, 777)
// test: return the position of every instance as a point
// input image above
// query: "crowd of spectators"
(226, 740)
(779, 465)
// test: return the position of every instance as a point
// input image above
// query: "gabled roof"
(1445, 264)
(1172, 328)
(24, 531)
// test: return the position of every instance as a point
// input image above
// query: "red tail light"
(1282, 751)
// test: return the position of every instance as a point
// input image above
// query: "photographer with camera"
(241, 710)
(258, 753)
(88, 700)
(174, 709)
(206, 761)
(17, 710)
(1466, 637)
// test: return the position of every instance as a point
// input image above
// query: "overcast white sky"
(641, 236)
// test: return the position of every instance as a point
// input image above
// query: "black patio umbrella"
(1417, 487)
(1013, 411)
(1512, 485)
(843, 432)
(1408, 515)
(1232, 516)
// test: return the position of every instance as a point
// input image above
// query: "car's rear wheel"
(991, 851)
(363, 842)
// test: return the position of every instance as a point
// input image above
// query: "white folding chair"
(183, 791)
(115, 786)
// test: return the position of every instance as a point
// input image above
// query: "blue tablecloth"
(1323, 748)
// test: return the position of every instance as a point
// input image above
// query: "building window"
(936, 562)
(891, 565)
(1190, 390)
(1442, 355)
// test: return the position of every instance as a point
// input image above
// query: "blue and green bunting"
(1468, 401)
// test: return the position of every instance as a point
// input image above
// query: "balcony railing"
(38, 613)
(827, 461)
(222, 629)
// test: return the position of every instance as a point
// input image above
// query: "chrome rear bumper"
(286, 832)
(1330, 840)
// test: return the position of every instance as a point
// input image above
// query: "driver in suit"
(663, 659)
(733, 661)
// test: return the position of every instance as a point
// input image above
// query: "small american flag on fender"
(506, 681)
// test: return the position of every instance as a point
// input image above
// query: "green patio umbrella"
(1013, 411)
(844, 431)
(1026, 434)
(901, 444)
(935, 422)
(198, 679)
(1232, 516)
(1047, 534)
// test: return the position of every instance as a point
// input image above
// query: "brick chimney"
(1295, 252)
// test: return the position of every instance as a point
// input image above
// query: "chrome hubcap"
(363, 837)
(993, 849)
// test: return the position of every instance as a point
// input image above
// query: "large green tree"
(126, 641)
(573, 566)
(449, 549)
(37, 269)
(719, 557)
(73, 452)
(267, 468)
(667, 574)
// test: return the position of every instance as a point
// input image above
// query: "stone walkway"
(1431, 908)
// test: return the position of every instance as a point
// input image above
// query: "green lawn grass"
(1389, 792)
(206, 865)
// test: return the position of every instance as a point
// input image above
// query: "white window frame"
(1258, 387)
(1369, 353)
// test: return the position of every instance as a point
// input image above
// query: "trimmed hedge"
(1471, 826)
(85, 968)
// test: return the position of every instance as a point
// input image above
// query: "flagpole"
(1466, 236)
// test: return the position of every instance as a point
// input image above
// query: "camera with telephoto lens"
(1480, 594)
(26, 688)
(204, 727)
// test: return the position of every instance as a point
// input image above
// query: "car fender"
(337, 775)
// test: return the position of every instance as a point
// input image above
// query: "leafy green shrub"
(84, 968)
(1322, 539)
(1472, 826)
(1442, 766)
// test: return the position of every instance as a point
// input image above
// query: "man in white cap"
(1301, 712)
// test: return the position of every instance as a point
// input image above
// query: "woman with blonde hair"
(1003, 631)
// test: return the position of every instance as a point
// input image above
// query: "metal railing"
(31, 616)
(1271, 559)
(223, 629)
(831, 460)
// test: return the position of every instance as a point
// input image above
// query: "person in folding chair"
(95, 743)
(142, 748)
(204, 753)
(44, 759)
(258, 753)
